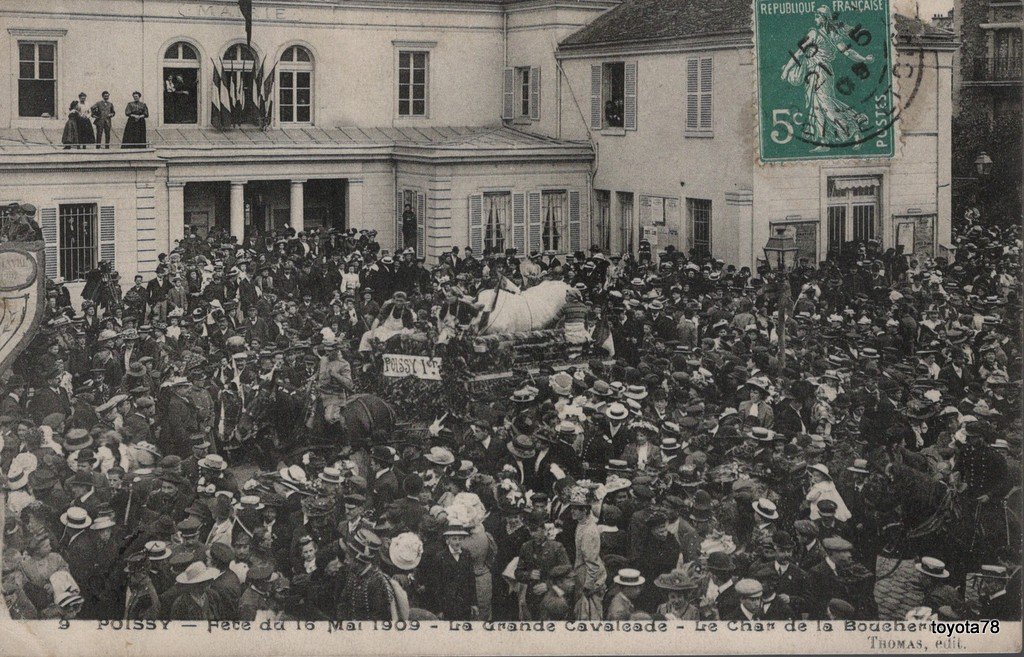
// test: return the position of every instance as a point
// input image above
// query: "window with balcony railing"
(1006, 68)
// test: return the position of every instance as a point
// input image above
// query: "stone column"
(175, 212)
(238, 209)
(354, 194)
(749, 238)
(296, 209)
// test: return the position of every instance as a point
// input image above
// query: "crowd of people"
(680, 466)
(92, 124)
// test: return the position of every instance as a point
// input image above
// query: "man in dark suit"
(787, 578)
(180, 419)
(385, 488)
(838, 576)
(50, 399)
(451, 584)
(226, 590)
(749, 593)
(808, 552)
(13, 401)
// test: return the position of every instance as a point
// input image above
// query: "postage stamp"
(824, 79)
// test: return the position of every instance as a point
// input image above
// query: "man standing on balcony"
(102, 115)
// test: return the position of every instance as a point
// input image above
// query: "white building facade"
(487, 117)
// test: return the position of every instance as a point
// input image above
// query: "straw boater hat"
(932, 567)
(766, 509)
(522, 446)
(675, 581)
(76, 518)
(629, 577)
(616, 411)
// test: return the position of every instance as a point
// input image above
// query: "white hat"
(17, 480)
(405, 551)
(76, 518)
(766, 508)
(616, 411)
(65, 589)
(197, 573)
(629, 577)
(819, 467)
(293, 475)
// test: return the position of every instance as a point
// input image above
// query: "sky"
(931, 7)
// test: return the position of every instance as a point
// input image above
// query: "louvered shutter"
(108, 234)
(518, 224)
(692, 94)
(399, 208)
(706, 83)
(574, 221)
(508, 94)
(629, 113)
(595, 96)
(476, 223)
(421, 224)
(48, 224)
(534, 221)
(535, 94)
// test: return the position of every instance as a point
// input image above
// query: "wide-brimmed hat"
(440, 456)
(601, 388)
(766, 508)
(213, 462)
(293, 476)
(249, 503)
(76, 518)
(932, 567)
(197, 573)
(17, 480)
(635, 392)
(561, 383)
(330, 476)
(524, 395)
(761, 434)
(77, 439)
(675, 581)
(616, 411)
(103, 522)
(456, 528)
(859, 466)
(819, 467)
(405, 551)
(522, 446)
(629, 577)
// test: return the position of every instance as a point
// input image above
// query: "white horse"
(521, 311)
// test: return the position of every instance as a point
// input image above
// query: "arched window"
(181, 84)
(238, 82)
(295, 86)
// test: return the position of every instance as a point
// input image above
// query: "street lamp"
(781, 250)
(983, 163)
(780, 255)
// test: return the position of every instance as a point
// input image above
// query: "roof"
(171, 142)
(643, 21)
(651, 20)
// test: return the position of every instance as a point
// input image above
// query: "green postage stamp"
(824, 79)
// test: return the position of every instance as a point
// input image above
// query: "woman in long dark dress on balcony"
(135, 129)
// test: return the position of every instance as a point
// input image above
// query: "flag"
(245, 6)
(217, 117)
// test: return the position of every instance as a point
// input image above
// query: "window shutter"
(535, 94)
(706, 84)
(399, 207)
(574, 221)
(421, 224)
(108, 233)
(692, 95)
(629, 114)
(48, 224)
(595, 96)
(508, 95)
(476, 223)
(518, 224)
(535, 222)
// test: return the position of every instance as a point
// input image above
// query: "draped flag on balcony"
(245, 6)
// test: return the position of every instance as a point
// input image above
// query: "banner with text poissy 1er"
(421, 367)
(824, 79)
